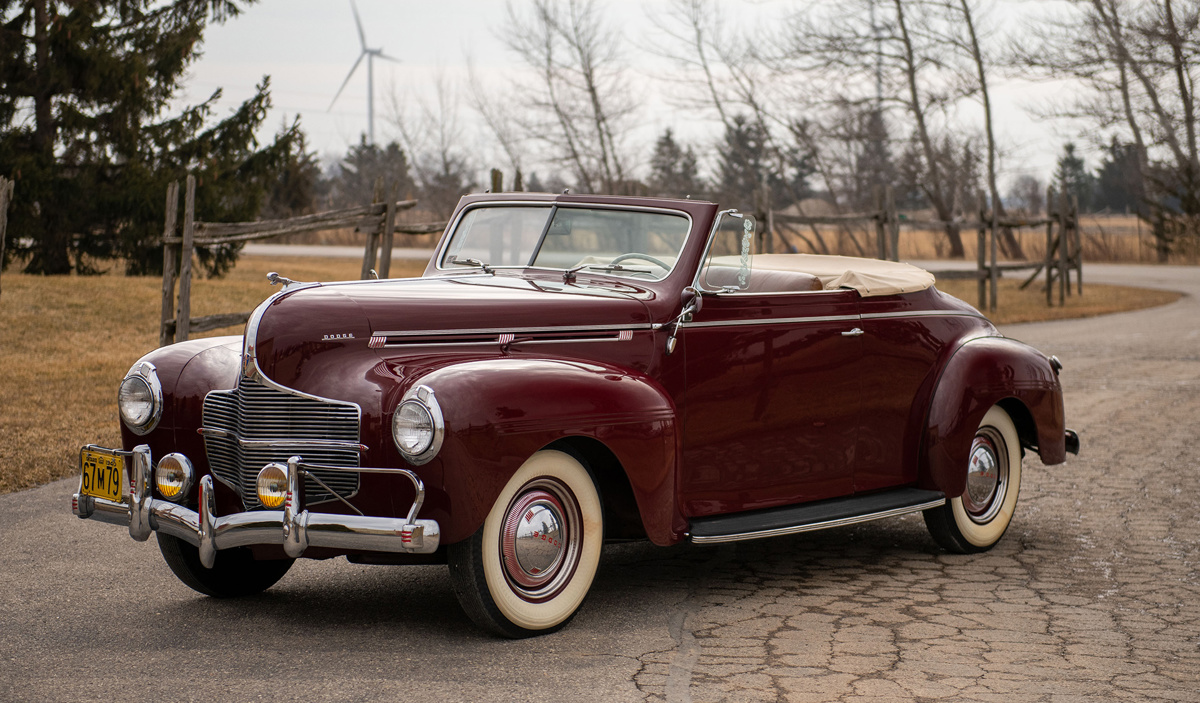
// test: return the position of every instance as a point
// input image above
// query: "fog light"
(173, 477)
(272, 485)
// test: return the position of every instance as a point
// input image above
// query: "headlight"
(140, 398)
(173, 476)
(417, 426)
(272, 485)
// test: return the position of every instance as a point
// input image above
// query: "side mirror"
(692, 301)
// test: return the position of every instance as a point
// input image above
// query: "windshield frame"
(553, 206)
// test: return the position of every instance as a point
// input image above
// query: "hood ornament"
(275, 279)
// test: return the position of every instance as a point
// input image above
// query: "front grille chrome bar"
(283, 443)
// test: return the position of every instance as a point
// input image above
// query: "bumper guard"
(295, 529)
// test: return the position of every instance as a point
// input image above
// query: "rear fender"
(498, 412)
(981, 373)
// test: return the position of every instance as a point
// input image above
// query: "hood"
(311, 325)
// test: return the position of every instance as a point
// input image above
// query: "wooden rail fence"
(1064, 245)
(378, 220)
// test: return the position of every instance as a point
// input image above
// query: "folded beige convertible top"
(870, 277)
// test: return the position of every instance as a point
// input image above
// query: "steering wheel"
(642, 257)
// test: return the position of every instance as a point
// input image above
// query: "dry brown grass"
(1029, 305)
(66, 341)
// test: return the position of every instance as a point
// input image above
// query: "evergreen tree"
(673, 171)
(83, 132)
(299, 185)
(354, 183)
(1119, 186)
(747, 160)
(1072, 177)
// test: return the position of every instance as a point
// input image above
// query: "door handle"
(856, 332)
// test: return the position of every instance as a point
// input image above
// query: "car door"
(902, 344)
(772, 400)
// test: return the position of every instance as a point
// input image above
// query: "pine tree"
(83, 130)
(354, 184)
(1119, 186)
(747, 160)
(673, 170)
(1072, 177)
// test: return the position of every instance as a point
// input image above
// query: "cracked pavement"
(1094, 593)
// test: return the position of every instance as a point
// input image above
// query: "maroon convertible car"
(569, 370)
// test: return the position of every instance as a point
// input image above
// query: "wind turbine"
(371, 55)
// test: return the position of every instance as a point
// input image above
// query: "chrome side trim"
(775, 321)
(812, 527)
(513, 330)
(921, 313)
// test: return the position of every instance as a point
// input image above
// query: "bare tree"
(898, 47)
(1138, 60)
(433, 134)
(579, 107)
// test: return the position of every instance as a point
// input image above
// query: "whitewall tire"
(976, 520)
(527, 570)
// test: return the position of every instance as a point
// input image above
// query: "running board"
(813, 516)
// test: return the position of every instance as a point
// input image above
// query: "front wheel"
(528, 569)
(234, 573)
(976, 520)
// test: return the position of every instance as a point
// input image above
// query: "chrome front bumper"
(295, 529)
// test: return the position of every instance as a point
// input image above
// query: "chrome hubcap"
(987, 477)
(540, 541)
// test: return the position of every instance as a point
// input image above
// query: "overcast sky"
(308, 46)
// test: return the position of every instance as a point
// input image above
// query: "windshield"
(632, 243)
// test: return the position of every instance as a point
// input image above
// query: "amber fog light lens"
(272, 485)
(173, 476)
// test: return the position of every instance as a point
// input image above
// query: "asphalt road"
(1094, 594)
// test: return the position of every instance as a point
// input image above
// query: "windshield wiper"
(616, 267)
(487, 268)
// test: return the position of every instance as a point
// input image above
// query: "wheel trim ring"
(546, 585)
(987, 447)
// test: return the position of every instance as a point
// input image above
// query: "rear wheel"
(528, 569)
(976, 520)
(235, 572)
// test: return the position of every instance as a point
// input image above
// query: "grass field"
(66, 341)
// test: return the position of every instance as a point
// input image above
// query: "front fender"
(981, 373)
(498, 412)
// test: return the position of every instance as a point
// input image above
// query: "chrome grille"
(254, 412)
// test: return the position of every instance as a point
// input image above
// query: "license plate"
(103, 474)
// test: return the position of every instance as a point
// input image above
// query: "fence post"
(1063, 283)
(389, 232)
(497, 181)
(893, 220)
(183, 318)
(881, 246)
(6, 195)
(1049, 256)
(372, 235)
(170, 264)
(994, 273)
(981, 280)
(1078, 238)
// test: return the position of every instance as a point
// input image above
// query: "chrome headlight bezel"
(144, 374)
(420, 399)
